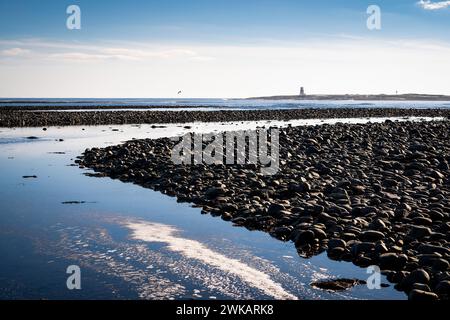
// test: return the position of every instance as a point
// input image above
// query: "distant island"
(370, 97)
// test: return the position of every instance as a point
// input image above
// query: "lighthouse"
(302, 92)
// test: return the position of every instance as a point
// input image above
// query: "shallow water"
(132, 242)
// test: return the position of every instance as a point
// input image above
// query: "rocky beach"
(373, 194)
(226, 158)
(15, 117)
(351, 185)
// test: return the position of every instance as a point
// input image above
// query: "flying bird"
(179, 92)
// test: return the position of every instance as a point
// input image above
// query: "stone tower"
(302, 91)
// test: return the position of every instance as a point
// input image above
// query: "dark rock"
(422, 221)
(428, 248)
(419, 232)
(338, 284)
(305, 237)
(417, 276)
(419, 295)
(443, 287)
(362, 247)
(371, 236)
(396, 276)
(392, 261)
(319, 233)
(312, 150)
(378, 224)
(336, 243)
(381, 248)
(441, 265)
(301, 187)
(282, 233)
(335, 253)
(227, 216)
(73, 202)
(275, 209)
(421, 286)
(213, 193)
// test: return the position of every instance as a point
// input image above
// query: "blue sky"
(196, 40)
(218, 20)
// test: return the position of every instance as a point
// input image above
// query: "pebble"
(359, 192)
(419, 295)
(371, 236)
(337, 284)
(21, 117)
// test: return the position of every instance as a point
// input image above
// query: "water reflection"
(155, 232)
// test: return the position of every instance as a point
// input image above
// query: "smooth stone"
(371, 236)
(362, 247)
(419, 295)
(377, 224)
(338, 284)
(422, 221)
(319, 233)
(336, 243)
(417, 276)
(428, 248)
(275, 209)
(381, 248)
(282, 233)
(421, 286)
(428, 259)
(392, 261)
(419, 232)
(441, 265)
(213, 193)
(305, 237)
(335, 253)
(443, 287)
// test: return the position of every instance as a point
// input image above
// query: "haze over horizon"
(222, 49)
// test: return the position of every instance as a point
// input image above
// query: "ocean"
(214, 104)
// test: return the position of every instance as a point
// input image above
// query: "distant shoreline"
(359, 97)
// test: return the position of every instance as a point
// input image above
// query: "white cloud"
(140, 54)
(428, 5)
(125, 54)
(86, 57)
(85, 52)
(14, 52)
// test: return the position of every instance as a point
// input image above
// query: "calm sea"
(222, 103)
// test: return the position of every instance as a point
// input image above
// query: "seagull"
(179, 92)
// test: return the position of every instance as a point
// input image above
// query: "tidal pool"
(135, 243)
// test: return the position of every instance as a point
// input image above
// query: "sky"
(222, 48)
